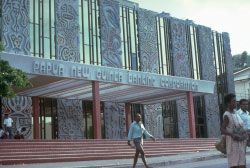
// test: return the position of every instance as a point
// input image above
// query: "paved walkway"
(155, 162)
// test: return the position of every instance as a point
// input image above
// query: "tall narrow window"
(128, 22)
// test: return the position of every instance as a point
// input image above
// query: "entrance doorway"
(48, 118)
(200, 117)
(88, 119)
(170, 123)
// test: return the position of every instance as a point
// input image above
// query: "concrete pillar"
(96, 110)
(36, 110)
(149, 62)
(191, 117)
(128, 115)
(181, 67)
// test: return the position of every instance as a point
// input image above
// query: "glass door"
(88, 119)
(48, 118)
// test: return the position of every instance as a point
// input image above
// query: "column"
(36, 110)
(128, 115)
(208, 72)
(191, 118)
(149, 62)
(181, 67)
(111, 51)
(96, 110)
(228, 62)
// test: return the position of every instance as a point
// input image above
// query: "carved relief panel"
(15, 26)
(114, 115)
(70, 119)
(19, 109)
(181, 67)
(67, 30)
(147, 36)
(110, 33)
(208, 72)
(228, 62)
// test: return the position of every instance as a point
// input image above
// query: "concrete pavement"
(164, 161)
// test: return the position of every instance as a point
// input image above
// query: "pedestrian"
(2, 133)
(236, 137)
(8, 125)
(19, 134)
(136, 132)
(244, 114)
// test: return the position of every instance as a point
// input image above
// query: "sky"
(232, 16)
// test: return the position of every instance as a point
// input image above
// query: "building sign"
(34, 65)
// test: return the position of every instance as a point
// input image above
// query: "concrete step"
(42, 151)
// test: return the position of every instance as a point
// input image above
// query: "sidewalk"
(155, 162)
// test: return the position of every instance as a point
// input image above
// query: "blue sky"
(232, 16)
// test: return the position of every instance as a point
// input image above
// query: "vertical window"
(193, 52)
(42, 29)
(129, 40)
(89, 32)
(163, 38)
(219, 62)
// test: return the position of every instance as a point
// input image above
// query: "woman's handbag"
(240, 133)
(221, 145)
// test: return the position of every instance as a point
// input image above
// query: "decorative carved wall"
(15, 26)
(208, 72)
(114, 115)
(181, 67)
(153, 119)
(147, 37)
(70, 119)
(67, 30)
(70, 113)
(228, 62)
(110, 33)
(19, 109)
(15, 33)
(182, 118)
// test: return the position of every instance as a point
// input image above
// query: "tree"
(11, 78)
(241, 61)
(244, 59)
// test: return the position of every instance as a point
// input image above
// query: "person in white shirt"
(244, 114)
(136, 132)
(1, 132)
(8, 125)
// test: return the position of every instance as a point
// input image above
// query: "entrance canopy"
(69, 80)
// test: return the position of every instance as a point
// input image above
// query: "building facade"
(93, 64)
(242, 84)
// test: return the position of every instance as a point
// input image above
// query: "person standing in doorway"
(136, 132)
(8, 126)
